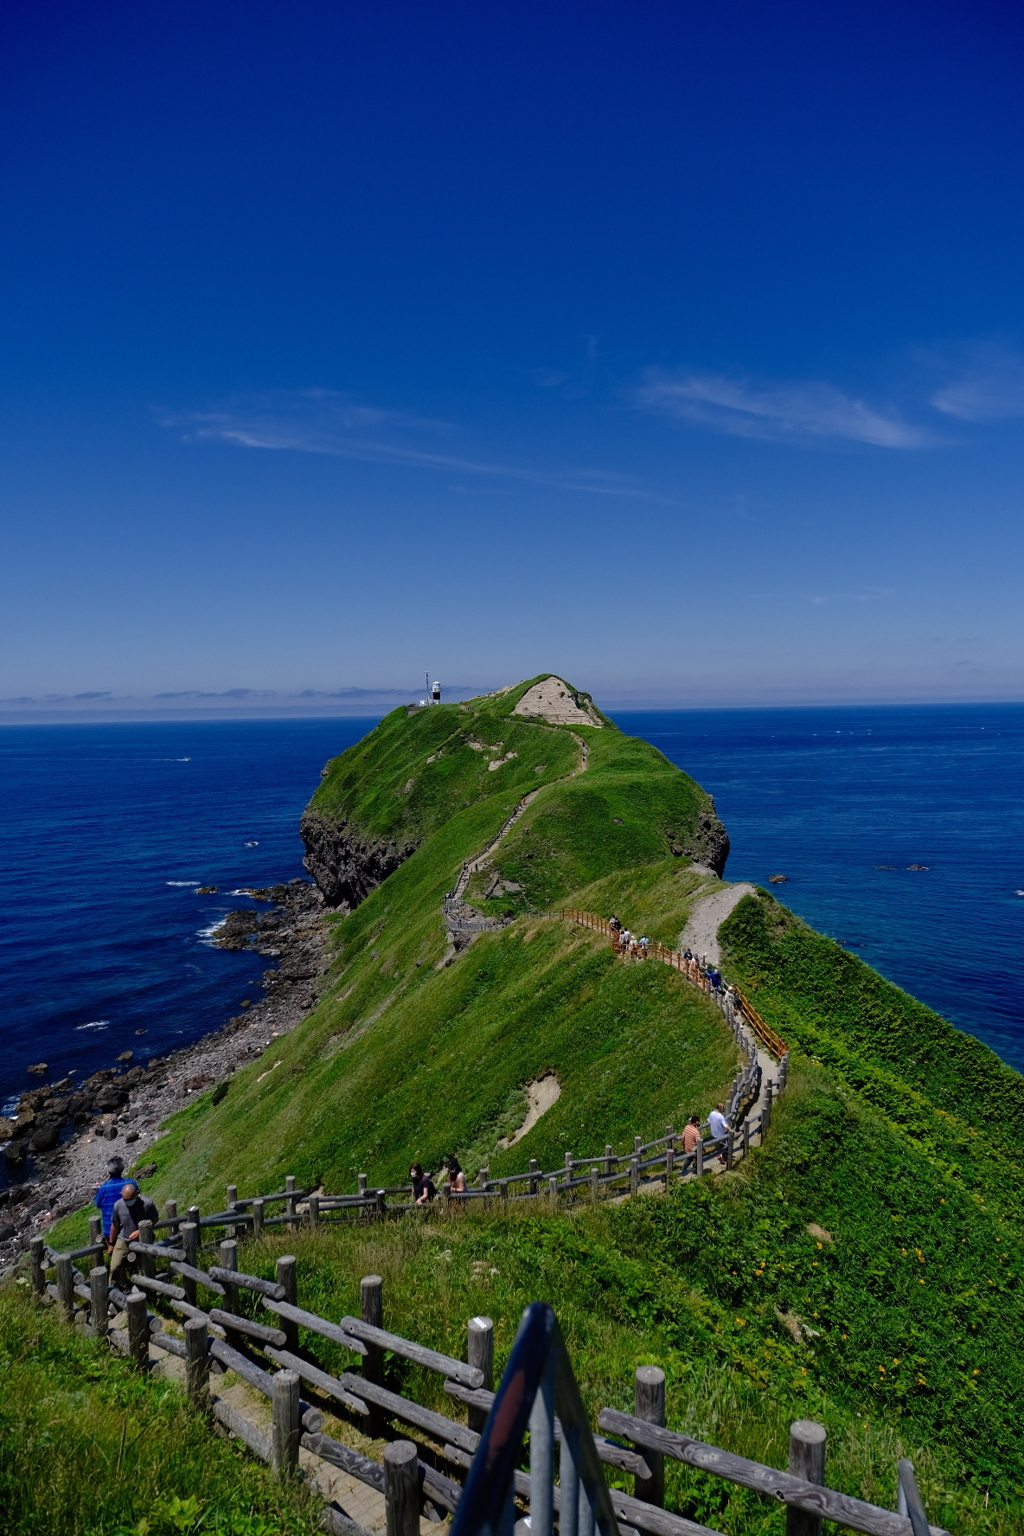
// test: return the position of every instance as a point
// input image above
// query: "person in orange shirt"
(691, 1134)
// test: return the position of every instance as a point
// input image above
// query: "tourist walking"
(109, 1192)
(720, 1128)
(423, 1190)
(456, 1182)
(691, 1135)
(132, 1208)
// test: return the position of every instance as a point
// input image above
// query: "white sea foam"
(96, 1024)
(9, 1106)
(191, 884)
(253, 844)
(206, 934)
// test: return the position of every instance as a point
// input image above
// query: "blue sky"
(677, 348)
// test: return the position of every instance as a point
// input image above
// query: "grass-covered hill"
(863, 1268)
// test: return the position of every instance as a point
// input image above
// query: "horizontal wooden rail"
(824, 1503)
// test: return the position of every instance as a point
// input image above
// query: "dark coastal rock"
(44, 1138)
(111, 1098)
(345, 863)
(206, 890)
(238, 929)
(7, 1232)
(39, 1068)
(127, 1056)
(14, 1152)
(146, 1172)
(705, 843)
(6, 1128)
(201, 1080)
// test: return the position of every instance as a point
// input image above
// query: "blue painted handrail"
(537, 1379)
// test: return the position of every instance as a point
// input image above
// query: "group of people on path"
(637, 947)
(453, 1184)
(123, 1208)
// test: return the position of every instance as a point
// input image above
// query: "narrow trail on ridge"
(463, 922)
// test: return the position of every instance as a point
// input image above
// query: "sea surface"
(107, 832)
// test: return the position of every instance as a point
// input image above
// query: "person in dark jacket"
(423, 1190)
(132, 1208)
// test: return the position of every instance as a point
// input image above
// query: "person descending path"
(423, 1190)
(691, 1134)
(719, 1127)
(109, 1192)
(132, 1208)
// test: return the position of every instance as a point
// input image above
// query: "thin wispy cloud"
(809, 413)
(986, 385)
(325, 422)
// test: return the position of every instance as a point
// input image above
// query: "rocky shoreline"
(121, 1108)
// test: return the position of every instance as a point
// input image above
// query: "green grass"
(634, 1048)
(899, 1136)
(89, 1448)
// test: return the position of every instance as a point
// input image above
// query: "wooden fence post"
(285, 1277)
(188, 1236)
(229, 1303)
(138, 1330)
(807, 1460)
(402, 1488)
(553, 1187)
(286, 1428)
(361, 1185)
(197, 1364)
(313, 1211)
(37, 1253)
(608, 1159)
(533, 1176)
(95, 1229)
(594, 1187)
(98, 1284)
(66, 1288)
(480, 1352)
(193, 1216)
(634, 1175)
(145, 1260)
(730, 1148)
(698, 1158)
(649, 1400)
(171, 1212)
(745, 1133)
(670, 1165)
(637, 1144)
(289, 1204)
(257, 1218)
(381, 1203)
(371, 1305)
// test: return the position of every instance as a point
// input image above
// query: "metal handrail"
(537, 1379)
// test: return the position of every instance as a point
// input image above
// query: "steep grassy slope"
(863, 1268)
(88, 1447)
(403, 1060)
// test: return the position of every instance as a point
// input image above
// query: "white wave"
(189, 883)
(9, 1106)
(207, 933)
(1018, 893)
(96, 1024)
(253, 844)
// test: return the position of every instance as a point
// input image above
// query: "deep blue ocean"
(108, 830)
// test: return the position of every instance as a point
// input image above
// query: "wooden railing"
(691, 969)
(251, 1326)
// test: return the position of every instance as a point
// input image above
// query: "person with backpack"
(109, 1192)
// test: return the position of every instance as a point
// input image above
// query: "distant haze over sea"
(110, 829)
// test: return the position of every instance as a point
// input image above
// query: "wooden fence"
(691, 969)
(268, 1353)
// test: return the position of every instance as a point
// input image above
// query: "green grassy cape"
(863, 1268)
